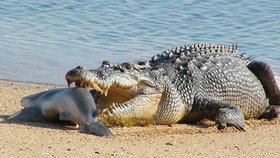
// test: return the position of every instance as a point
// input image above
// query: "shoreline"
(32, 82)
(33, 139)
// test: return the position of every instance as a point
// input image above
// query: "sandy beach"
(33, 139)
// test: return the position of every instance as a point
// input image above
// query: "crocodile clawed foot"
(271, 113)
(96, 128)
(275, 112)
(230, 117)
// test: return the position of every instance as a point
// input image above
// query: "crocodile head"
(125, 93)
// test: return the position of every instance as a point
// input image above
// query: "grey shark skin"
(74, 105)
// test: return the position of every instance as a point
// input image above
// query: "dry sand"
(262, 138)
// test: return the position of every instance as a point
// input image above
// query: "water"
(41, 40)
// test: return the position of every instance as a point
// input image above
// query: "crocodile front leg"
(171, 107)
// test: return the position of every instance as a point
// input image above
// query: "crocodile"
(185, 84)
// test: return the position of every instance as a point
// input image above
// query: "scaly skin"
(185, 84)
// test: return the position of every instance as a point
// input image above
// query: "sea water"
(41, 40)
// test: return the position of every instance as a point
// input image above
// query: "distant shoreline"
(32, 82)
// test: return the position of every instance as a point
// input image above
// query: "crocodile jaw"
(126, 100)
(97, 80)
(138, 111)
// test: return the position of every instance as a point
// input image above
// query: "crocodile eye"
(106, 64)
(128, 66)
(117, 67)
(122, 70)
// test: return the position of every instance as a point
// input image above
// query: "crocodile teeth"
(122, 106)
(105, 92)
(96, 87)
(82, 84)
(69, 83)
(114, 107)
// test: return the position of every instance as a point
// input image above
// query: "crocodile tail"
(264, 73)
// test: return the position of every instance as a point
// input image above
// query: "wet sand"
(30, 139)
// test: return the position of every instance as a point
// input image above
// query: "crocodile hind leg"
(224, 113)
(265, 75)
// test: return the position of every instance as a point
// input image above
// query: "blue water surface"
(41, 40)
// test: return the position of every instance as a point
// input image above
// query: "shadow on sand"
(60, 125)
